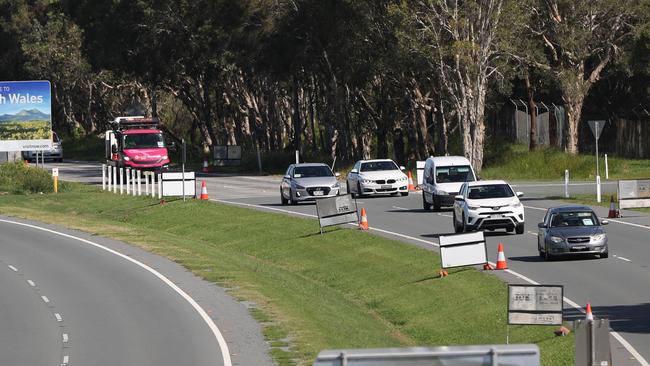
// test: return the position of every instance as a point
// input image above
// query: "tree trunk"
(574, 92)
(532, 107)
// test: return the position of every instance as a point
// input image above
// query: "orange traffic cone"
(363, 225)
(204, 192)
(501, 258)
(411, 186)
(613, 212)
(589, 316)
(443, 273)
(205, 165)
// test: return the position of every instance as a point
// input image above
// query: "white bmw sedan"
(378, 176)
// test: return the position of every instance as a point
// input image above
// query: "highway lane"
(616, 287)
(69, 301)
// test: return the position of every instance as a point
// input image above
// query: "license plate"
(387, 187)
(496, 216)
(579, 247)
(318, 193)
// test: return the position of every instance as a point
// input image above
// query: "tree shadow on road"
(622, 318)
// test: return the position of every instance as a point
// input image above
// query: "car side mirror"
(478, 177)
(401, 167)
(604, 222)
(520, 194)
(337, 175)
(354, 171)
(541, 225)
(287, 176)
(459, 198)
(114, 149)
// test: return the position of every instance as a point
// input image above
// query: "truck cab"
(137, 143)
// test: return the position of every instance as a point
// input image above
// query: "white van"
(443, 176)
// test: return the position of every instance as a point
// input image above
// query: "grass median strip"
(343, 289)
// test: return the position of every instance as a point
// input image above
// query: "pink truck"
(136, 143)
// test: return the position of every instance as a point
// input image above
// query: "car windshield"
(374, 166)
(143, 141)
(574, 218)
(490, 191)
(312, 172)
(450, 174)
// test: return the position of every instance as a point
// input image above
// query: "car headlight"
(402, 179)
(598, 237)
(366, 181)
(517, 205)
(442, 193)
(126, 158)
(556, 239)
(473, 208)
(298, 186)
(165, 157)
(336, 185)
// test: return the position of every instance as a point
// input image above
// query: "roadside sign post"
(566, 183)
(534, 305)
(55, 175)
(597, 129)
(606, 168)
(336, 210)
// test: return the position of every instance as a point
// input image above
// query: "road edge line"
(225, 352)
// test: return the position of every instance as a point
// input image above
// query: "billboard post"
(25, 116)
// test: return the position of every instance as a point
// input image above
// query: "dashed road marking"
(532, 233)
(622, 258)
(31, 283)
(64, 337)
(45, 299)
(13, 268)
(58, 317)
(66, 360)
(401, 208)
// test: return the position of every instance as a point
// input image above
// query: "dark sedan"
(570, 230)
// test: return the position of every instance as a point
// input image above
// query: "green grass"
(515, 162)
(343, 289)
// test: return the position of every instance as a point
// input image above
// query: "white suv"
(488, 205)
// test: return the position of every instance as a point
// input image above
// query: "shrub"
(17, 178)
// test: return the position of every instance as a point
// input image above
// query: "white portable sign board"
(597, 127)
(172, 184)
(419, 171)
(535, 304)
(55, 172)
(633, 193)
(336, 210)
(463, 250)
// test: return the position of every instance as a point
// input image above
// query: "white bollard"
(153, 184)
(110, 179)
(160, 184)
(128, 181)
(133, 192)
(566, 183)
(146, 184)
(114, 179)
(103, 177)
(121, 180)
(606, 168)
(598, 198)
(139, 173)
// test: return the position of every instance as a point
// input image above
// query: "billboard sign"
(634, 193)
(25, 115)
(535, 304)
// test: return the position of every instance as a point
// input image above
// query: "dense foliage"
(342, 78)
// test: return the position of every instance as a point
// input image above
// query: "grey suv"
(570, 230)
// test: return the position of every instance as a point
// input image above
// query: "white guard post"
(121, 180)
(146, 183)
(110, 178)
(103, 177)
(133, 192)
(153, 184)
(566, 183)
(139, 181)
(606, 168)
(128, 181)
(598, 198)
(159, 186)
(114, 179)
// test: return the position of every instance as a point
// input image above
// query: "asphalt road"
(97, 301)
(616, 287)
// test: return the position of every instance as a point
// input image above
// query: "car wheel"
(436, 204)
(427, 206)
(463, 225)
(404, 194)
(520, 228)
(456, 228)
(541, 254)
(291, 200)
(604, 255)
(547, 255)
(359, 191)
(349, 188)
(282, 199)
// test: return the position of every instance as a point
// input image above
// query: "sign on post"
(463, 250)
(25, 116)
(535, 304)
(55, 172)
(597, 129)
(633, 193)
(336, 211)
(178, 184)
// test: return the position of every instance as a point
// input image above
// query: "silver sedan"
(307, 182)
(571, 230)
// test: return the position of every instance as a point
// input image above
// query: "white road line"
(532, 233)
(13, 268)
(64, 337)
(31, 283)
(58, 317)
(624, 259)
(570, 302)
(401, 208)
(66, 360)
(225, 352)
(445, 215)
(45, 299)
